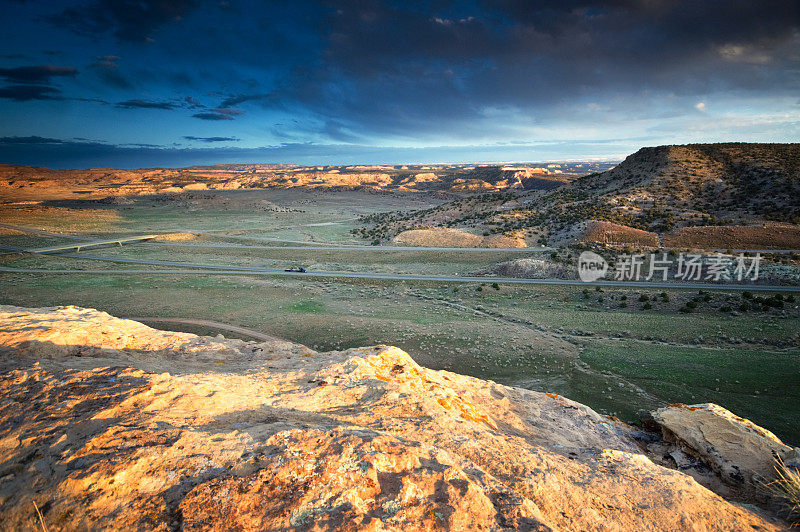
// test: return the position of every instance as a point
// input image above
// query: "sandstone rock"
(738, 449)
(108, 424)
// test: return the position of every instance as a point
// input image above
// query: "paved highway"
(230, 270)
(341, 247)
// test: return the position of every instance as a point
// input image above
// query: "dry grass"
(786, 487)
(41, 519)
(60, 218)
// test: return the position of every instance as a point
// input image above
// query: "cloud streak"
(25, 93)
(212, 139)
(212, 116)
(145, 104)
(39, 74)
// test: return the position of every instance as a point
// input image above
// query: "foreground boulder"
(108, 424)
(740, 451)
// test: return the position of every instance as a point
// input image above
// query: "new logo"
(591, 266)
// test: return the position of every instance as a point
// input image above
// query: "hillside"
(109, 424)
(661, 190)
(674, 186)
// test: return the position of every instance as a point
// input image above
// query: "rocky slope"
(672, 186)
(106, 423)
(736, 195)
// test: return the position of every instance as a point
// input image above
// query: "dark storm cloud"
(417, 72)
(127, 20)
(24, 93)
(399, 67)
(213, 139)
(145, 104)
(39, 74)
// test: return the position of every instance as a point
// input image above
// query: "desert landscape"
(337, 265)
(495, 324)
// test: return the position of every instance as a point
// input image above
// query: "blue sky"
(134, 83)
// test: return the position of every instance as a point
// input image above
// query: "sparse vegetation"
(786, 487)
(703, 195)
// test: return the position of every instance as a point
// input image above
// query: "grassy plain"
(618, 360)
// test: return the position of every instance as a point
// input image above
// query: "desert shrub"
(691, 304)
(747, 295)
(685, 310)
(725, 308)
(643, 298)
(623, 305)
(533, 269)
(647, 306)
(496, 286)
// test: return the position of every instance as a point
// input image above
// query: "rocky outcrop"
(106, 423)
(736, 448)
